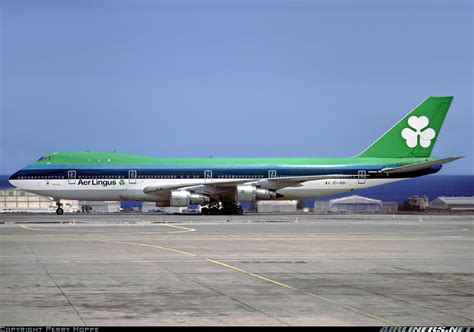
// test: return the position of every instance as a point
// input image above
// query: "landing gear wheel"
(205, 210)
(214, 210)
(59, 210)
(231, 208)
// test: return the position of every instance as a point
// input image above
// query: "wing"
(157, 188)
(222, 186)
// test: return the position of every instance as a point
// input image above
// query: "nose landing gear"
(59, 210)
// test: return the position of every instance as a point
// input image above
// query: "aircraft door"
(71, 177)
(207, 176)
(361, 175)
(272, 174)
(132, 176)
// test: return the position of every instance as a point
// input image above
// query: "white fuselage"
(114, 190)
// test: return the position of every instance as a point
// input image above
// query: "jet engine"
(246, 193)
(185, 198)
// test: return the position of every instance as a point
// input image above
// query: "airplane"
(219, 185)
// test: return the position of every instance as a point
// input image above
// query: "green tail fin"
(415, 135)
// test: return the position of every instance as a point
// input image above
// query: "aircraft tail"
(415, 135)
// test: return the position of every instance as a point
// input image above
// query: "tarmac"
(100, 270)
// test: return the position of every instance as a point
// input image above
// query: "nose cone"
(13, 179)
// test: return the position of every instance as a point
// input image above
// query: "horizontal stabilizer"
(294, 181)
(419, 166)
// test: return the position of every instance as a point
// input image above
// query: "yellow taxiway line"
(234, 268)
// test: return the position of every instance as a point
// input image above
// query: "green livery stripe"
(111, 159)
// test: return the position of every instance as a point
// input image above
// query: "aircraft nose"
(13, 179)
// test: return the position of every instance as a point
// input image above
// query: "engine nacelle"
(185, 198)
(246, 193)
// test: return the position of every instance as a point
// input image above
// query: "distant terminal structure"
(100, 206)
(355, 204)
(416, 203)
(277, 206)
(150, 207)
(453, 203)
(16, 200)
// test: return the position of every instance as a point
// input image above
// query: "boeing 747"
(220, 184)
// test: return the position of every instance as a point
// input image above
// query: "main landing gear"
(59, 210)
(223, 208)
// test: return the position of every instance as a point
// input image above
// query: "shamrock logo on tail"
(417, 125)
(122, 182)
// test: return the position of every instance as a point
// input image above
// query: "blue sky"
(229, 78)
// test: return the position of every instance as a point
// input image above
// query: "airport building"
(389, 207)
(150, 207)
(322, 207)
(100, 207)
(453, 203)
(355, 204)
(15, 200)
(416, 203)
(277, 206)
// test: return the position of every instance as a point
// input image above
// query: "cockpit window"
(44, 158)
